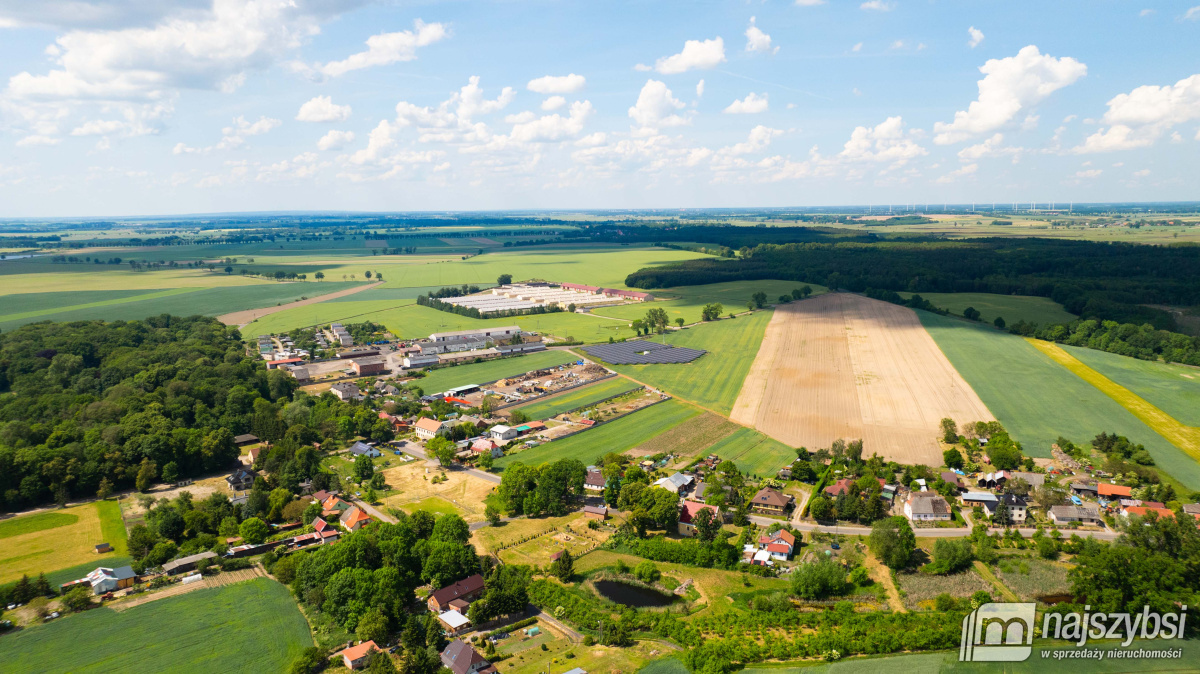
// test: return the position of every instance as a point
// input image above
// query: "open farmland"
(1175, 389)
(491, 370)
(844, 366)
(616, 436)
(689, 438)
(715, 379)
(1038, 400)
(753, 452)
(577, 398)
(246, 627)
(47, 542)
(686, 301)
(1012, 308)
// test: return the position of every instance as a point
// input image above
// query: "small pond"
(635, 596)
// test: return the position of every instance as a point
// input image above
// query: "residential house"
(321, 496)
(485, 446)
(779, 546)
(1086, 514)
(594, 480)
(241, 479)
(186, 563)
(502, 433)
(354, 518)
(256, 452)
(428, 429)
(105, 579)
(245, 439)
(1192, 509)
(951, 478)
(978, 498)
(334, 507)
(454, 622)
(844, 484)
(595, 512)
(769, 501)
(326, 531)
(460, 658)
(1017, 507)
(679, 483)
(699, 492)
(361, 448)
(688, 510)
(356, 657)
(1112, 492)
(468, 589)
(344, 390)
(926, 507)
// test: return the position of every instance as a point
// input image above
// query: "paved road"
(372, 511)
(476, 526)
(411, 448)
(571, 634)
(856, 530)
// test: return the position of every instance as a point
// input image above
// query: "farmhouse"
(502, 433)
(468, 589)
(677, 483)
(1015, 505)
(245, 439)
(460, 658)
(105, 579)
(361, 448)
(186, 563)
(1143, 511)
(1081, 514)
(241, 479)
(485, 446)
(356, 657)
(927, 507)
(594, 481)
(844, 485)
(427, 428)
(770, 502)
(354, 518)
(687, 513)
(346, 391)
(1110, 492)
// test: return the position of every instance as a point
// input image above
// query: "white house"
(346, 391)
(502, 433)
(926, 507)
(427, 428)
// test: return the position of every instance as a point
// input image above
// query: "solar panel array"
(643, 353)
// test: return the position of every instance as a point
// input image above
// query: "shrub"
(944, 602)
(819, 580)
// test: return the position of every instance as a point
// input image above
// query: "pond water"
(632, 595)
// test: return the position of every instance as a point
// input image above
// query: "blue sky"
(177, 106)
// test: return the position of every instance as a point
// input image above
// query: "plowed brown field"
(845, 366)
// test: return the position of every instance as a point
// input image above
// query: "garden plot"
(921, 588)
(1033, 578)
(845, 366)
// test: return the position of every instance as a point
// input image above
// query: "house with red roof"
(355, 519)
(688, 511)
(778, 546)
(1111, 492)
(356, 657)
(844, 484)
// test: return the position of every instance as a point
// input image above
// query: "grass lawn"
(413, 489)
(48, 542)
(433, 504)
(1184, 437)
(1175, 389)
(1037, 399)
(589, 658)
(253, 626)
(715, 379)
(577, 398)
(489, 371)
(551, 534)
(1012, 308)
(754, 452)
(613, 436)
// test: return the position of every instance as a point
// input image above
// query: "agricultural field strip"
(691, 437)
(37, 549)
(578, 398)
(121, 300)
(490, 371)
(753, 452)
(1186, 438)
(1173, 388)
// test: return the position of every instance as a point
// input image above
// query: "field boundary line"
(101, 303)
(986, 573)
(1186, 438)
(238, 318)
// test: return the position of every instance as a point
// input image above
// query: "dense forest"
(1105, 281)
(83, 404)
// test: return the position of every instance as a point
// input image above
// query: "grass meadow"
(617, 436)
(1032, 578)
(692, 437)
(1012, 308)
(1175, 389)
(253, 626)
(686, 301)
(1038, 400)
(491, 370)
(577, 398)
(753, 452)
(921, 588)
(61, 539)
(715, 379)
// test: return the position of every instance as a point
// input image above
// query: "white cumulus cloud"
(700, 89)
(554, 127)
(696, 55)
(550, 84)
(1142, 116)
(387, 48)
(877, 6)
(335, 140)
(553, 103)
(976, 37)
(885, 142)
(323, 109)
(656, 107)
(757, 40)
(1009, 86)
(751, 104)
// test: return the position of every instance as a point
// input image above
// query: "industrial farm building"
(526, 296)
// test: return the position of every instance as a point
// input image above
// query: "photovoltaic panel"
(643, 353)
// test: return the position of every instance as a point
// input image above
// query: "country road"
(856, 530)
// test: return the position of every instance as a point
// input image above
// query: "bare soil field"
(414, 483)
(242, 318)
(845, 366)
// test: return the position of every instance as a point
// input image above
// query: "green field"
(686, 301)
(753, 452)
(1175, 389)
(1012, 308)
(63, 539)
(253, 626)
(1038, 400)
(577, 398)
(177, 301)
(34, 523)
(715, 379)
(617, 436)
(489, 371)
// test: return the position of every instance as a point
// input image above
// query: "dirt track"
(242, 318)
(844, 366)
